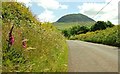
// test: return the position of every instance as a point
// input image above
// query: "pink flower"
(11, 39)
(24, 44)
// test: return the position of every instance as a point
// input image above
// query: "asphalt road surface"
(91, 57)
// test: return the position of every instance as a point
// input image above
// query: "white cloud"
(81, 0)
(110, 12)
(46, 4)
(27, 2)
(24, 1)
(46, 16)
(90, 8)
(63, 6)
(51, 4)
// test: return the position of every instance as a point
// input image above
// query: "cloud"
(51, 4)
(48, 5)
(90, 8)
(46, 16)
(80, 0)
(28, 3)
(110, 12)
(24, 1)
(63, 6)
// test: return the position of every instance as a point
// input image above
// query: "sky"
(52, 10)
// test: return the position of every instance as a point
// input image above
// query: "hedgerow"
(109, 36)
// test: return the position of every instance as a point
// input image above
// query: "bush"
(109, 24)
(75, 30)
(101, 25)
(109, 36)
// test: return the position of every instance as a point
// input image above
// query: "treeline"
(76, 30)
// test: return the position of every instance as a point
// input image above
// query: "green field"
(63, 26)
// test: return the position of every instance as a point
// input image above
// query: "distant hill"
(75, 18)
(69, 20)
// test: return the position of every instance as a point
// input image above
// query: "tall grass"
(46, 49)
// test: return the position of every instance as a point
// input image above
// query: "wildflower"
(24, 43)
(11, 39)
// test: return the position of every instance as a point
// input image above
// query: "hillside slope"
(75, 18)
(70, 20)
(31, 46)
(63, 26)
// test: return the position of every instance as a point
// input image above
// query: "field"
(35, 46)
(62, 26)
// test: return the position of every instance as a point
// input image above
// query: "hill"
(75, 18)
(71, 20)
(29, 45)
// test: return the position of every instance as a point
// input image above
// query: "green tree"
(66, 33)
(83, 29)
(99, 25)
(75, 30)
(109, 24)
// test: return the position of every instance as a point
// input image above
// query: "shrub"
(100, 25)
(75, 30)
(109, 36)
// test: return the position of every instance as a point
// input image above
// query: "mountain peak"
(75, 18)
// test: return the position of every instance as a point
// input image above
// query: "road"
(91, 57)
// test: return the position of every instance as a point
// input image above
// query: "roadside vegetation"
(108, 36)
(76, 30)
(101, 32)
(29, 45)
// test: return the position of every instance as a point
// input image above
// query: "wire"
(102, 8)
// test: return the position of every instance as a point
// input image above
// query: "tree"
(75, 30)
(99, 25)
(109, 24)
(83, 29)
(66, 33)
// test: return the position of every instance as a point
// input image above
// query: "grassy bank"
(45, 49)
(109, 36)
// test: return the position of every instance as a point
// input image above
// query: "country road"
(91, 57)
